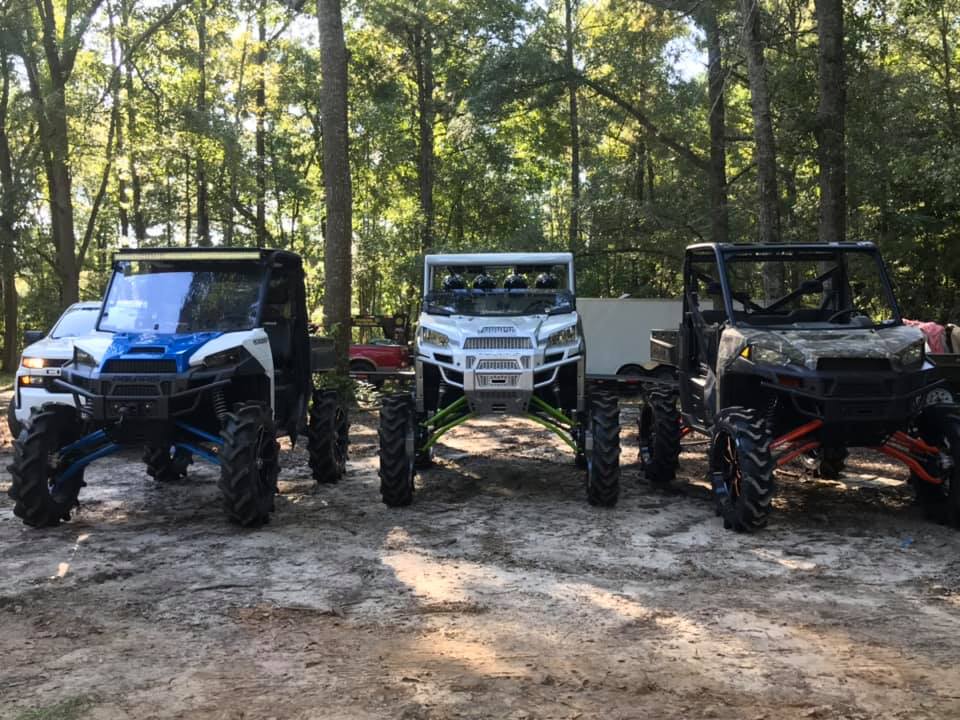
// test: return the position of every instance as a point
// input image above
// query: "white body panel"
(49, 348)
(618, 331)
(253, 341)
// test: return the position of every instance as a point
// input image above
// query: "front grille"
(497, 381)
(140, 366)
(498, 365)
(134, 390)
(853, 364)
(498, 343)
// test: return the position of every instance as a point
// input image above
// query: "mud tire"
(328, 437)
(37, 503)
(603, 466)
(941, 503)
(659, 428)
(396, 459)
(166, 466)
(249, 464)
(740, 451)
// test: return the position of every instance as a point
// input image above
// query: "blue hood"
(137, 346)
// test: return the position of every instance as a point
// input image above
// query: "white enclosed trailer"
(617, 332)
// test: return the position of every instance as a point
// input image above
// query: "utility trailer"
(617, 331)
(201, 353)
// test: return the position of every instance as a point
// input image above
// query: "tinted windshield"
(76, 322)
(829, 288)
(182, 297)
(499, 302)
(499, 290)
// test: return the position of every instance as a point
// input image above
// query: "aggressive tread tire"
(740, 452)
(659, 427)
(328, 437)
(249, 464)
(941, 503)
(603, 460)
(396, 463)
(36, 502)
(163, 466)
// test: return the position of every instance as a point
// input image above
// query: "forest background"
(618, 129)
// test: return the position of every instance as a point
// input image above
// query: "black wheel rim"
(341, 438)
(265, 462)
(730, 465)
(60, 490)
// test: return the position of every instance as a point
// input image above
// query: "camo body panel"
(814, 344)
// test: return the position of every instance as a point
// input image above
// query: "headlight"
(564, 337)
(233, 356)
(432, 337)
(912, 355)
(772, 356)
(82, 357)
(34, 363)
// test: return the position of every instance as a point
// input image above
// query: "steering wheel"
(537, 306)
(841, 313)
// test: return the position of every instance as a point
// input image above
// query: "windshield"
(491, 303)
(182, 297)
(76, 322)
(836, 287)
(499, 290)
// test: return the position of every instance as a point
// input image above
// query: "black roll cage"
(720, 252)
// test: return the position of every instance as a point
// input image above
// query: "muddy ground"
(499, 594)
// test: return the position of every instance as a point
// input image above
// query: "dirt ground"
(499, 594)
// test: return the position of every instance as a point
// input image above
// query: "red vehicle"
(379, 355)
(376, 351)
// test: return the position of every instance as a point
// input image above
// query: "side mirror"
(32, 336)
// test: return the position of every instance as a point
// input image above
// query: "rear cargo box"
(664, 346)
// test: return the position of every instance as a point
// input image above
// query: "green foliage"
(502, 138)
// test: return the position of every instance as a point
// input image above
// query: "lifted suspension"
(441, 423)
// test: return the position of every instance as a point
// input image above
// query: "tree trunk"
(768, 216)
(261, 131)
(830, 122)
(8, 258)
(136, 186)
(61, 201)
(719, 214)
(570, 8)
(426, 111)
(336, 178)
(203, 214)
(123, 202)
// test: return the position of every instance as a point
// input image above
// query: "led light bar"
(192, 255)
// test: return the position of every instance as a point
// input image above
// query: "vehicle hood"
(135, 346)
(814, 344)
(460, 327)
(51, 348)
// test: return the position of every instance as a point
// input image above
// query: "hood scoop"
(147, 350)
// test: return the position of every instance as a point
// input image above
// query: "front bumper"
(109, 397)
(498, 381)
(860, 407)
